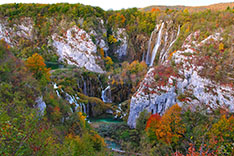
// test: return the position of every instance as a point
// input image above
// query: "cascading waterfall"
(148, 50)
(85, 88)
(158, 42)
(84, 108)
(105, 93)
(171, 44)
(56, 88)
(71, 99)
(168, 38)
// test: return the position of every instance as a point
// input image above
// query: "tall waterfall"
(84, 108)
(105, 94)
(163, 38)
(148, 51)
(85, 88)
(155, 50)
(164, 54)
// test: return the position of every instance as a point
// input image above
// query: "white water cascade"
(105, 93)
(80, 107)
(148, 50)
(158, 42)
(84, 108)
(56, 89)
(163, 56)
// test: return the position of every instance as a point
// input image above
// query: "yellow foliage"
(221, 47)
(82, 117)
(186, 11)
(188, 29)
(136, 67)
(112, 39)
(109, 61)
(113, 82)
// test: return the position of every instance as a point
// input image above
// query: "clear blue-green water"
(106, 120)
(54, 65)
(112, 145)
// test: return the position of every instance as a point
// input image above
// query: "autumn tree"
(152, 125)
(169, 127)
(108, 62)
(222, 135)
(36, 65)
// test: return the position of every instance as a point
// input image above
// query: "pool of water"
(54, 65)
(106, 120)
(112, 145)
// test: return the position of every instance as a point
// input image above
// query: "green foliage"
(194, 132)
(24, 131)
(142, 120)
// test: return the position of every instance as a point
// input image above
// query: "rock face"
(121, 36)
(181, 82)
(41, 105)
(73, 45)
(12, 34)
(152, 96)
(77, 48)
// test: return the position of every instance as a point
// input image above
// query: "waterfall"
(84, 109)
(73, 100)
(85, 88)
(165, 44)
(56, 88)
(148, 50)
(105, 95)
(155, 50)
(164, 55)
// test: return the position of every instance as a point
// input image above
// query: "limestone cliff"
(180, 79)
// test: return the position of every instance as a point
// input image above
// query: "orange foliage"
(102, 52)
(123, 19)
(155, 10)
(171, 54)
(36, 65)
(171, 127)
(168, 128)
(153, 122)
(192, 152)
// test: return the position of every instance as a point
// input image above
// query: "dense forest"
(63, 66)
